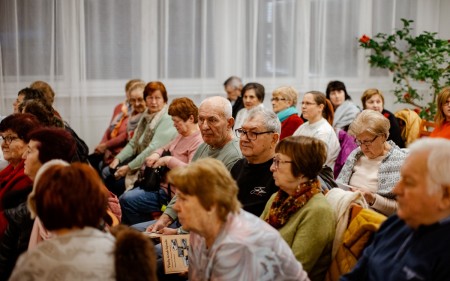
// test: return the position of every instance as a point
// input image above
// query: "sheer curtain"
(87, 50)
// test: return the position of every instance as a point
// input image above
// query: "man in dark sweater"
(414, 244)
(233, 87)
(258, 137)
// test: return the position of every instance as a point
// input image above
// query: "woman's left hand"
(168, 231)
(369, 196)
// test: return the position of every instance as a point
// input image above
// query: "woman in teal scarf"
(284, 103)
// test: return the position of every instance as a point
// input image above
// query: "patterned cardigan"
(388, 174)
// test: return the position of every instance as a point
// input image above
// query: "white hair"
(438, 162)
(223, 102)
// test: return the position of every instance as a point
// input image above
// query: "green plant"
(423, 59)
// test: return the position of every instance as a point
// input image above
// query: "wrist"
(373, 200)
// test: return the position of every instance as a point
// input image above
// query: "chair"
(425, 127)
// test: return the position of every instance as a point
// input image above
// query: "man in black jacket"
(233, 87)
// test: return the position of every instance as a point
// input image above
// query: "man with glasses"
(258, 136)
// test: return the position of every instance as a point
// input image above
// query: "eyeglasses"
(447, 103)
(277, 162)
(8, 139)
(277, 99)
(250, 135)
(366, 142)
(308, 103)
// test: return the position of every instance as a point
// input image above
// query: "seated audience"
(299, 210)
(257, 139)
(82, 249)
(374, 168)
(227, 243)
(319, 113)
(252, 95)
(138, 204)
(116, 135)
(233, 87)
(409, 122)
(284, 103)
(154, 130)
(442, 117)
(374, 99)
(345, 110)
(44, 144)
(14, 184)
(413, 244)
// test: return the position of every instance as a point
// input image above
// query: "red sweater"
(289, 125)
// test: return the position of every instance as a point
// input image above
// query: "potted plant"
(412, 60)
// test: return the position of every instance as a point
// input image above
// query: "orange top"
(441, 131)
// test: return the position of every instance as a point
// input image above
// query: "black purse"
(150, 179)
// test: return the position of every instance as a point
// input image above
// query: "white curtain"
(88, 49)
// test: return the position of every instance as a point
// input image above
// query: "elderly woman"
(319, 113)
(154, 130)
(374, 168)
(138, 204)
(14, 184)
(442, 117)
(345, 110)
(227, 243)
(299, 210)
(284, 103)
(120, 128)
(83, 250)
(252, 95)
(374, 99)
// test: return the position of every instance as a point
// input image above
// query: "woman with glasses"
(14, 184)
(284, 103)
(442, 117)
(374, 167)
(125, 118)
(154, 130)
(299, 210)
(318, 110)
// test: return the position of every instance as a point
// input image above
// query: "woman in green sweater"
(299, 210)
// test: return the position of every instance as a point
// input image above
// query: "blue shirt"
(399, 252)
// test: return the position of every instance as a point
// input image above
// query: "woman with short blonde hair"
(284, 103)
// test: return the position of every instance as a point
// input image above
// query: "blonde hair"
(287, 92)
(370, 121)
(209, 180)
(441, 99)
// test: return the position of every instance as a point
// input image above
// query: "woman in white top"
(253, 96)
(315, 106)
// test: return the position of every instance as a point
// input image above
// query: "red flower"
(386, 115)
(364, 39)
(406, 96)
(417, 110)
(427, 110)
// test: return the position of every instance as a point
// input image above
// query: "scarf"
(146, 128)
(284, 205)
(284, 114)
(118, 119)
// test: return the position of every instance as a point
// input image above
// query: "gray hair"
(233, 81)
(370, 121)
(269, 118)
(220, 101)
(438, 162)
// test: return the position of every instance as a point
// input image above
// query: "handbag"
(150, 178)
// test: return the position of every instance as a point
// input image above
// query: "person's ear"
(230, 123)
(275, 138)
(191, 118)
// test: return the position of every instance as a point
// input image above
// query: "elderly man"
(233, 87)
(414, 244)
(215, 122)
(258, 137)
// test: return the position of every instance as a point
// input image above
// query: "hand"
(122, 171)
(163, 221)
(150, 160)
(368, 196)
(101, 148)
(114, 163)
(168, 231)
(163, 161)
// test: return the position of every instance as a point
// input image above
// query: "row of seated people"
(216, 131)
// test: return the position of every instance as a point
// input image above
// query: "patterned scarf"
(118, 119)
(284, 205)
(146, 127)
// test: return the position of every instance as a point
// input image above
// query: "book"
(175, 249)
